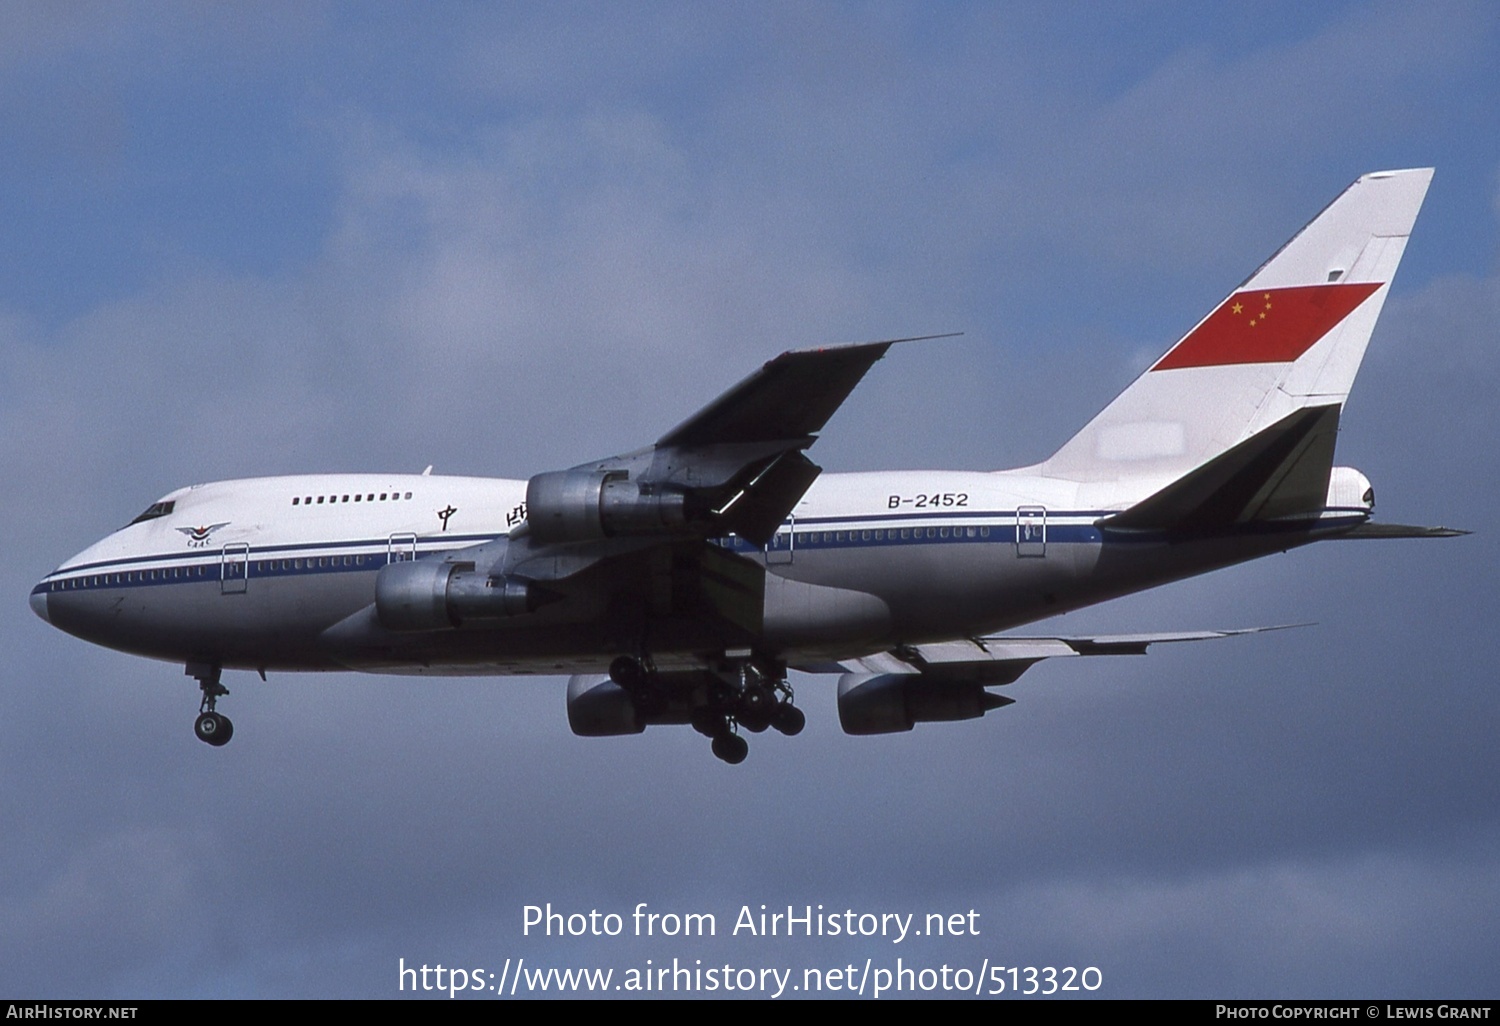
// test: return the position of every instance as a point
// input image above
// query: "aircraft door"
(401, 548)
(1031, 531)
(234, 568)
(779, 548)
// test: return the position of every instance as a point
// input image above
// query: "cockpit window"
(156, 509)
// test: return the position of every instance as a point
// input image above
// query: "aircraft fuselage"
(239, 574)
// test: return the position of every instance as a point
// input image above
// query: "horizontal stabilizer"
(1370, 530)
(1282, 471)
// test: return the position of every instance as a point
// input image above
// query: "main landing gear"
(746, 693)
(212, 727)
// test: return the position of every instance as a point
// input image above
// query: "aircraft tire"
(731, 748)
(708, 723)
(628, 673)
(789, 719)
(214, 728)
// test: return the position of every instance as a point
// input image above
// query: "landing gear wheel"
(211, 727)
(731, 748)
(214, 729)
(789, 719)
(628, 673)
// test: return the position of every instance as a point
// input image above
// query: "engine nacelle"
(428, 595)
(598, 707)
(586, 505)
(893, 702)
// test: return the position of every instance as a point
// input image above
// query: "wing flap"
(759, 509)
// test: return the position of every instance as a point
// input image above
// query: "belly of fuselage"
(185, 613)
(831, 598)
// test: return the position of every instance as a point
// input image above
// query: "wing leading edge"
(1003, 658)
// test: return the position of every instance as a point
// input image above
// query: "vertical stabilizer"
(1292, 336)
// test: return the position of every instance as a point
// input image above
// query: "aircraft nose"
(39, 604)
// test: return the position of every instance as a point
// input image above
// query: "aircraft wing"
(1002, 659)
(636, 531)
(787, 400)
(884, 692)
(891, 691)
(734, 467)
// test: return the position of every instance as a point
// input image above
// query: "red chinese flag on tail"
(1267, 325)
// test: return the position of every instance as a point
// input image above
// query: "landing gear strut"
(211, 727)
(638, 678)
(744, 693)
(754, 695)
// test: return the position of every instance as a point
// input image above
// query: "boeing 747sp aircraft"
(678, 583)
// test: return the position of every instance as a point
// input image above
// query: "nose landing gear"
(212, 727)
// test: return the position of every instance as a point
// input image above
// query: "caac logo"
(198, 536)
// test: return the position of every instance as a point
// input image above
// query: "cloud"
(544, 240)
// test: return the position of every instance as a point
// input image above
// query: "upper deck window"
(156, 509)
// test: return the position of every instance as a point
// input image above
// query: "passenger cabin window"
(156, 509)
(301, 500)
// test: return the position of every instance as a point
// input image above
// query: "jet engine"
(586, 505)
(428, 595)
(893, 702)
(598, 707)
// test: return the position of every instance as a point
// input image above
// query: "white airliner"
(678, 583)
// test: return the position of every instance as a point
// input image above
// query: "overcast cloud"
(504, 239)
